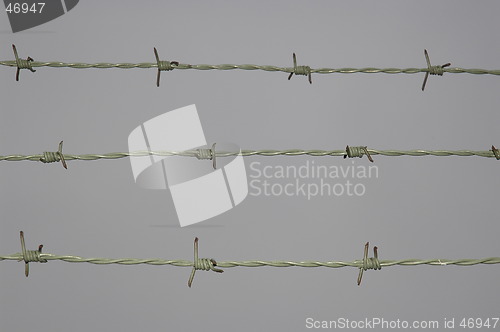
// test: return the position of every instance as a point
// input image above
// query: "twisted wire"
(355, 151)
(204, 154)
(300, 70)
(50, 157)
(165, 65)
(29, 255)
(209, 264)
(369, 263)
(258, 263)
(269, 68)
(22, 63)
(205, 264)
(32, 256)
(208, 154)
(436, 70)
(25, 64)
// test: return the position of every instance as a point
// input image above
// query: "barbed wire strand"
(206, 264)
(350, 151)
(297, 70)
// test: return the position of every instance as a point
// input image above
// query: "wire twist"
(265, 153)
(163, 66)
(30, 255)
(51, 157)
(433, 70)
(300, 70)
(369, 263)
(207, 154)
(357, 151)
(205, 264)
(21, 63)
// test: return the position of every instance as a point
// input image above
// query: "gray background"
(425, 207)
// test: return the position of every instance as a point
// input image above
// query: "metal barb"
(365, 148)
(208, 154)
(357, 151)
(163, 65)
(214, 165)
(61, 155)
(201, 264)
(50, 157)
(496, 152)
(300, 70)
(21, 63)
(30, 255)
(432, 70)
(368, 263)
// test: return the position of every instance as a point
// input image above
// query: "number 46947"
(24, 8)
(479, 323)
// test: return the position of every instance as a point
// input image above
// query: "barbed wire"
(206, 264)
(161, 65)
(212, 154)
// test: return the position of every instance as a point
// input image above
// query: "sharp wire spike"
(163, 65)
(357, 151)
(50, 157)
(28, 255)
(432, 70)
(158, 62)
(365, 257)
(300, 70)
(368, 263)
(193, 271)
(495, 151)
(214, 165)
(21, 63)
(205, 264)
(61, 155)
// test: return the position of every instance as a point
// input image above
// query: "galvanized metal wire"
(351, 152)
(206, 264)
(162, 65)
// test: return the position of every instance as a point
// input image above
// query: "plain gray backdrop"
(418, 207)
